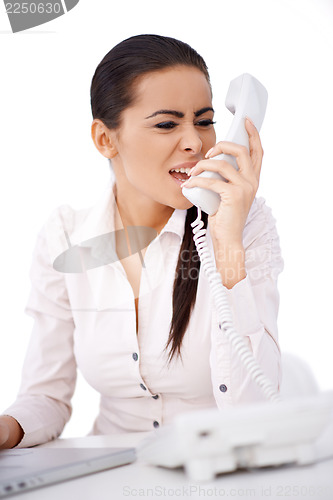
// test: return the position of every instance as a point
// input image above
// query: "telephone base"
(210, 442)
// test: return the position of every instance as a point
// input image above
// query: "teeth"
(182, 170)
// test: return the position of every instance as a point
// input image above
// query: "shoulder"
(66, 218)
(58, 228)
(261, 242)
(260, 222)
(66, 226)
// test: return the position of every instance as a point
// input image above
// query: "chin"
(181, 204)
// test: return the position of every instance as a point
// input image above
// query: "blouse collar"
(100, 219)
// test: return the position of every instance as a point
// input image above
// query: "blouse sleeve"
(43, 405)
(254, 303)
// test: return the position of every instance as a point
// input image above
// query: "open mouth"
(180, 174)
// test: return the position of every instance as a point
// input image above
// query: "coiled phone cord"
(224, 313)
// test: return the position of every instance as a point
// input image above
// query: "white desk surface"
(138, 480)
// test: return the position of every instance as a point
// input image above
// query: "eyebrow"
(179, 114)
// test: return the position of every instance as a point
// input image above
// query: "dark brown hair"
(112, 91)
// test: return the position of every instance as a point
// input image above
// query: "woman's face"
(169, 127)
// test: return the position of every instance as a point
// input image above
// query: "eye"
(205, 123)
(166, 125)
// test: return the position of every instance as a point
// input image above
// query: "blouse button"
(156, 396)
(135, 356)
(156, 424)
(143, 387)
(223, 388)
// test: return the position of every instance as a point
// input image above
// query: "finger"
(255, 147)
(4, 433)
(225, 189)
(227, 147)
(222, 167)
(240, 153)
(217, 185)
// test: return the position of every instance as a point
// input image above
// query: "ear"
(104, 139)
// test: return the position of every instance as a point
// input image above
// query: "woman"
(142, 327)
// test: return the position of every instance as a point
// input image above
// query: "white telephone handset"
(246, 97)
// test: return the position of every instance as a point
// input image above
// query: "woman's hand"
(11, 433)
(237, 196)
(4, 433)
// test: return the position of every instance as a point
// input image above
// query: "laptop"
(29, 468)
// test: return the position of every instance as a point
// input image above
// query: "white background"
(47, 157)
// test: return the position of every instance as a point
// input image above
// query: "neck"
(141, 211)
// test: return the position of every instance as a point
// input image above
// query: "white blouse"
(88, 320)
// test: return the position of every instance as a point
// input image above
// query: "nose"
(191, 141)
